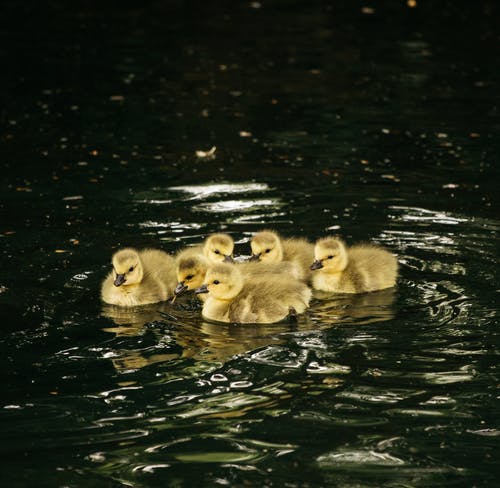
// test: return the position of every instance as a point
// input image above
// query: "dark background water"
(374, 120)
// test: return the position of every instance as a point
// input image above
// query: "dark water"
(326, 119)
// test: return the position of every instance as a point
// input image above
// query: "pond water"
(375, 120)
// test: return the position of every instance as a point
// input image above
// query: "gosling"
(192, 262)
(265, 299)
(219, 248)
(191, 269)
(268, 247)
(139, 278)
(357, 269)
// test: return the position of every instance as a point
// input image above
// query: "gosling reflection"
(130, 321)
(192, 338)
(361, 309)
(220, 342)
(189, 337)
(133, 360)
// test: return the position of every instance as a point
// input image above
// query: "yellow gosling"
(265, 299)
(139, 278)
(191, 269)
(268, 247)
(219, 248)
(357, 269)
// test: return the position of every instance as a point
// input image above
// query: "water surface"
(375, 125)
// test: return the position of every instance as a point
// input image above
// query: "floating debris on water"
(206, 154)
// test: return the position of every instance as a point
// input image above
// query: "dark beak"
(201, 289)
(316, 265)
(228, 259)
(180, 288)
(119, 280)
(255, 257)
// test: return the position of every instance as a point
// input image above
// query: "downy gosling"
(268, 247)
(191, 269)
(192, 262)
(264, 299)
(139, 278)
(357, 269)
(219, 248)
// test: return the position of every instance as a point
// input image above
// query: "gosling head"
(266, 246)
(330, 255)
(219, 248)
(190, 273)
(127, 267)
(222, 281)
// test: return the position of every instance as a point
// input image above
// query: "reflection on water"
(130, 320)
(422, 215)
(197, 192)
(238, 205)
(364, 308)
(130, 361)
(218, 343)
(358, 458)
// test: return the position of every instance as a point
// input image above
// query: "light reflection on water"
(197, 192)
(238, 205)
(413, 214)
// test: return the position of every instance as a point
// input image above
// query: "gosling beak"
(255, 257)
(228, 259)
(201, 289)
(119, 280)
(180, 288)
(316, 265)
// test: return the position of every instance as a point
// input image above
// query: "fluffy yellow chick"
(357, 269)
(139, 277)
(219, 248)
(268, 247)
(191, 269)
(265, 299)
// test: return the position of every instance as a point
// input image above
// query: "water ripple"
(226, 405)
(423, 215)
(279, 356)
(359, 459)
(247, 205)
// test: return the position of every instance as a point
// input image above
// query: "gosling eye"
(268, 251)
(189, 277)
(217, 251)
(131, 269)
(330, 257)
(216, 282)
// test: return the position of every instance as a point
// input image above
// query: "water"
(379, 126)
